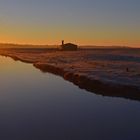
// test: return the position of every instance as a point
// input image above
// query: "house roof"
(69, 44)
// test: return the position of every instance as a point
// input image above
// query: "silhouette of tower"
(62, 42)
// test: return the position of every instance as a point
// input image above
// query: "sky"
(85, 22)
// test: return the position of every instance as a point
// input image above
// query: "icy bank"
(112, 72)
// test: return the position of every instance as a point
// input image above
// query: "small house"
(68, 46)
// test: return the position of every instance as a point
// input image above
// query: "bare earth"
(115, 72)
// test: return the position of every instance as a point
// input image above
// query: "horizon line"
(82, 45)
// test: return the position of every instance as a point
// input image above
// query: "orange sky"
(84, 23)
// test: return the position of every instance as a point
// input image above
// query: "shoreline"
(82, 81)
(93, 85)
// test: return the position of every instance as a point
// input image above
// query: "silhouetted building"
(62, 42)
(68, 46)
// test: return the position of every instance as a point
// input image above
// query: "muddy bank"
(96, 86)
(15, 58)
(104, 72)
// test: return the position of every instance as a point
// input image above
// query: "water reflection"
(41, 106)
(95, 86)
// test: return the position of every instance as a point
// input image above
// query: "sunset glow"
(90, 22)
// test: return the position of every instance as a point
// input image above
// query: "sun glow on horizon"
(82, 22)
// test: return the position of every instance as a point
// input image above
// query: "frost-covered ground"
(112, 66)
